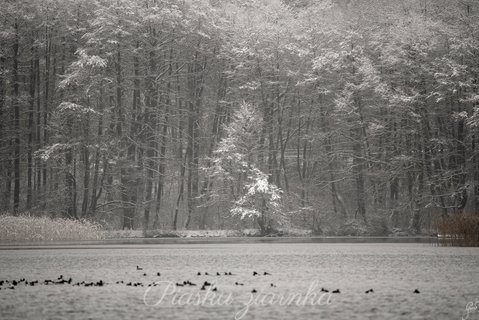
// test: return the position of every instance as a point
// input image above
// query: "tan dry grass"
(26, 228)
(459, 230)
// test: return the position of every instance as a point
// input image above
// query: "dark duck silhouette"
(139, 268)
(336, 291)
(369, 291)
(416, 291)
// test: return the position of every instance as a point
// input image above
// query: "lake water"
(447, 278)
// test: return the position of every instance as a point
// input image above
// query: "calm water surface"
(448, 278)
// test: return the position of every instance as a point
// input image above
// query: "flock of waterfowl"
(12, 284)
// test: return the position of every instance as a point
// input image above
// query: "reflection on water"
(445, 277)
(219, 240)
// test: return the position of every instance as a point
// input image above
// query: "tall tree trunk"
(181, 187)
(86, 173)
(337, 199)
(475, 152)
(163, 142)
(181, 160)
(284, 144)
(31, 129)
(71, 211)
(150, 122)
(190, 161)
(126, 177)
(196, 87)
(3, 138)
(460, 187)
(46, 101)
(95, 194)
(358, 165)
(302, 158)
(16, 121)
(38, 126)
(95, 186)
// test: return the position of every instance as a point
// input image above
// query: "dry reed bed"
(459, 230)
(37, 229)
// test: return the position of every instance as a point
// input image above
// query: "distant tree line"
(128, 112)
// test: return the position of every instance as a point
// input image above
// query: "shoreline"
(216, 240)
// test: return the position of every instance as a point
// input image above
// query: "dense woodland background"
(340, 116)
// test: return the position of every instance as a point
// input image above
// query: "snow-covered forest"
(326, 115)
